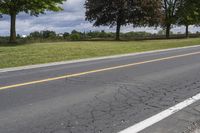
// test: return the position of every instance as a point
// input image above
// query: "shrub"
(75, 37)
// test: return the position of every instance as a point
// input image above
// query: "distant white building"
(60, 34)
(23, 36)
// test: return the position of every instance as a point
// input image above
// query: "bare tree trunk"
(187, 31)
(168, 27)
(118, 31)
(13, 28)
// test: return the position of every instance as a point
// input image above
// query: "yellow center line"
(94, 71)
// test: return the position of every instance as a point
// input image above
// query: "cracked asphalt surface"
(104, 102)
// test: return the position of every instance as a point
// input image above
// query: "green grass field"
(12, 56)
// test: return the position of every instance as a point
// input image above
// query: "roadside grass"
(37, 53)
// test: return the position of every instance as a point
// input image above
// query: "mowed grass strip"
(37, 53)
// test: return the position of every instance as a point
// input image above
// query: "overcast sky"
(73, 17)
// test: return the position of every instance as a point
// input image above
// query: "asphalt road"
(99, 100)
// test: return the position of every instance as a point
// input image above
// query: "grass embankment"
(12, 56)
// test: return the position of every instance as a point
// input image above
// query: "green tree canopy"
(170, 9)
(189, 14)
(32, 7)
(123, 12)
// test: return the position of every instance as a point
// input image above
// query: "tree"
(34, 7)
(75, 32)
(66, 35)
(35, 34)
(122, 12)
(75, 37)
(170, 8)
(189, 14)
(48, 34)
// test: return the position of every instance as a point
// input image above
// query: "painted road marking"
(95, 71)
(158, 117)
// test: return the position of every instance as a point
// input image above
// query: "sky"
(72, 17)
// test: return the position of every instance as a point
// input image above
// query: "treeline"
(52, 36)
(118, 13)
(77, 36)
(39, 36)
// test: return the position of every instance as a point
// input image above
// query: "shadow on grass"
(6, 44)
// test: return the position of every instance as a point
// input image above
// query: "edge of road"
(161, 122)
(88, 59)
(184, 121)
